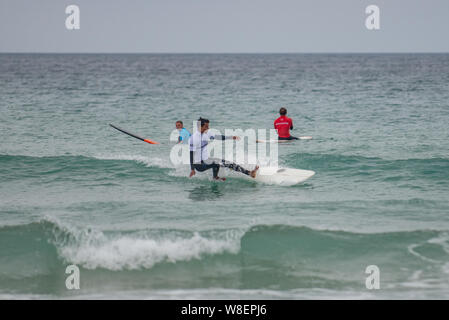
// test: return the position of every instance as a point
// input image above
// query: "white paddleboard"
(282, 176)
(283, 141)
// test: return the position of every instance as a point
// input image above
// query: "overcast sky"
(224, 26)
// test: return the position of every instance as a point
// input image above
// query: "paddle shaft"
(133, 135)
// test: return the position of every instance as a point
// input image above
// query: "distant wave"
(64, 159)
(390, 170)
(330, 161)
(148, 161)
(436, 169)
(67, 168)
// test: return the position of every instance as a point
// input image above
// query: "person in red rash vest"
(283, 125)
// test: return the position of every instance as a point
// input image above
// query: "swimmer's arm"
(192, 171)
(191, 161)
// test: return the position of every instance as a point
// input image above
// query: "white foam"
(133, 250)
(147, 161)
(411, 250)
(441, 240)
(139, 252)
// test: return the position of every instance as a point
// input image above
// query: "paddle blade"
(150, 141)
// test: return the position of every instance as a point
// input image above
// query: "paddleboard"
(282, 141)
(282, 176)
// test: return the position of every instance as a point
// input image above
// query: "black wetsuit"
(289, 138)
(215, 164)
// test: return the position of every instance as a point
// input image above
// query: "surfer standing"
(199, 159)
(283, 125)
(184, 134)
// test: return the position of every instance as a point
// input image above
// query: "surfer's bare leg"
(254, 172)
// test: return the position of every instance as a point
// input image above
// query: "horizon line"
(182, 53)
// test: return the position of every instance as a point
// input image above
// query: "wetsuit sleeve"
(191, 161)
(291, 124)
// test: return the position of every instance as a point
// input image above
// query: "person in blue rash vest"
(184, 134)
(199, 160)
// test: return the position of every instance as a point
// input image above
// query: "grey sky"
(224, 26)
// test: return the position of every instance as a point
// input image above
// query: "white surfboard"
(283, 141)
(282, 176)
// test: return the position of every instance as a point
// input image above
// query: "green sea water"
(75, 191)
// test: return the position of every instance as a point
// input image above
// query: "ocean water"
(75, 191)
